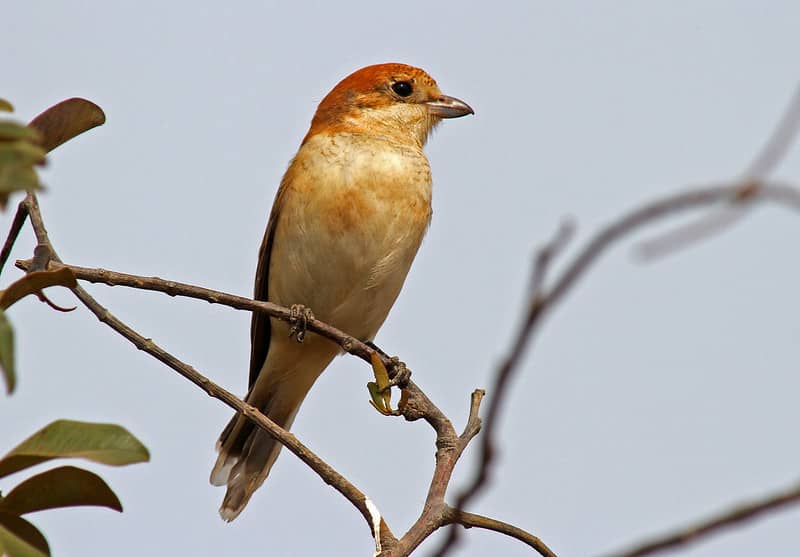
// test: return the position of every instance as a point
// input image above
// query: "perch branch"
(694, 532)
(328, 474)
(450, 446)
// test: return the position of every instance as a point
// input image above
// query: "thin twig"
(702, 228)
(174, 288)
(548, 252)
(760, 169)
(449, 448)
(778, 143)
(473, 426)
(16, 226)
(470, 520)
(695, 532)
(540, 305)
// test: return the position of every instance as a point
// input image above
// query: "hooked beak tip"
(449, 107)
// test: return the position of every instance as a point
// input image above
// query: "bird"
(346, 223)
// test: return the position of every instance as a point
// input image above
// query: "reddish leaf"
(67, 119)
(34, 282)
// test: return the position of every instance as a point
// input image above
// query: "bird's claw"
(380, 390)
(299, 318)
(402, 373)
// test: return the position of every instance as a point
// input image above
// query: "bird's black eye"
(402, 88)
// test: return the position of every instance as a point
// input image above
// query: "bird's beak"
(448, 107)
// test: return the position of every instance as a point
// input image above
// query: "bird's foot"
(402, 375)
(380, 390)
(299, 319)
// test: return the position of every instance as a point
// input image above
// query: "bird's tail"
(247, 453)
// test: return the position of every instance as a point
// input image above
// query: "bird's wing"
(260, 326)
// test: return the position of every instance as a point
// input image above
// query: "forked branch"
(416, 405)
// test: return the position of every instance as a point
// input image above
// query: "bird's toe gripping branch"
(299, 319)
(402, 375)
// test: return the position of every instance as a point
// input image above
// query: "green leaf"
(5, 106)
(7, 352)
(35, 281)
(66, 486)
(379, 390)
(15, 177)
(105, 443)
(376, 399)
(69, 118)
(20, 538)
(18, 155)
(10, 130)
(20, 152)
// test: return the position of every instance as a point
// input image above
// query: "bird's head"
(399, 102)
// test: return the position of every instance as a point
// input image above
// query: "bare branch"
(778, 143)
(702, 529)
(704, 227)
(173, 288)
(450, 447)
(760, 169)
(541, 304)
(16, 226)
(546, 254)
(473, 426)
(470, 520)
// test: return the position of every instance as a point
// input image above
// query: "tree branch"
(470, 520)
(778, 143)
(760, 168)
(16, 226)
(694, 532)
(542, 300)
(173, 288)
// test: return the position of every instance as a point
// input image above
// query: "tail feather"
(227, 458)
(247, 453)
(248, 472)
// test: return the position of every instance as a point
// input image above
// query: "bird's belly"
(344, 252)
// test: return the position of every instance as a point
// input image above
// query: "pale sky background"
(656, 394)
